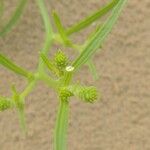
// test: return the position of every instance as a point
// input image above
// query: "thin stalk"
(17, 14)
(92, 69)
(48, 29)
(22, 120)
(60, 136)
(49, 81)
(28, 89)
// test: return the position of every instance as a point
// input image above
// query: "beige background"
(121, 119)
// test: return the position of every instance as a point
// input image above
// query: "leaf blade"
(13, 67)
(92, 69)
(49, 64)
(60, 28)
(99, 37)
(90, 19)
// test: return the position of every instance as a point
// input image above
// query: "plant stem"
(22, 120)
(61, 126)
(17, 14)
(28, 89)
(49, 81)
(48, 29)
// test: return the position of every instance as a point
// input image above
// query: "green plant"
(58, 72)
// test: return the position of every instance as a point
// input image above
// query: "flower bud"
(88, 94)
(61, 59)
(4, 104)
(64, 94)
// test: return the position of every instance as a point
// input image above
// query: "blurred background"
(120, 120)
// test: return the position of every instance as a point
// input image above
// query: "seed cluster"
(61, 59)
(4, 104)
(88, 94)
(64, 94)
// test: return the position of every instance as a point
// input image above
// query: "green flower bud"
(88, 94)
(64, 94)
(4, 104)
(61, 59)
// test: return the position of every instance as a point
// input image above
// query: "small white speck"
(69, 68)
(94, 24)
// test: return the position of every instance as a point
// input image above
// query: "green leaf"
(13, 67)
(93, 69)
(61, 29)
(90, 19)
(100, 36)
(14, 18)
(50, 65)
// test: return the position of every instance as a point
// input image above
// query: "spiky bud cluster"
(61, 59)
(88, 94)
(4, 104)
(64, 94)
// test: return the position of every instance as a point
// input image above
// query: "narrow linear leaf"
(87, 21)
(13, 67)
(49, 64)
(90, 19)
(90, 63)
(93, 69)
(14, 18)
(60, 28)
(99, 37)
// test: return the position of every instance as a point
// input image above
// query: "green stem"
(28, 89)
(49, 81)
(48, 29)
(61, 126)
(22, 120)
(17, 14)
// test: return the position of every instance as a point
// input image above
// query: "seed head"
(61, 59)
(4, 104)
(65, 94)
(88, 94)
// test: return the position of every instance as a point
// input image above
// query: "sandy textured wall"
(121, 120)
